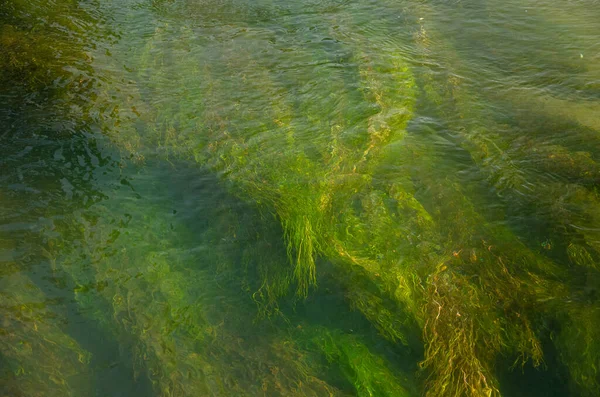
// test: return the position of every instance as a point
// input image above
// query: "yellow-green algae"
(332, 205)
(367, 372)
(137, 284)
(404, 233)
(506, 174)
(38, 357)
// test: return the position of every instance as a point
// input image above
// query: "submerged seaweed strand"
(38, 357)
(261, 191)
(297, 224)
(380, 313)
(475, 372)
(527, 333)
(182, 332)
(486, 292)
(282, 179)
(512, 176)
(578, 371)
(179, 140)
(182, 342)
(504, 154)
(167, 356)
(395, 101)
(435, 265)
(372, 265)
(148, 338)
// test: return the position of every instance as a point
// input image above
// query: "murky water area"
(310, 198)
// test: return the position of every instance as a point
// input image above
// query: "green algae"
(285, 184)
(154, 296)
(338, 178)
(39, 358)
(482, 143)
(368, 373)
(308, 198)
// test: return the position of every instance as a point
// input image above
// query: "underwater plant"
(346, 354)
(337, 203)
(38, 357)
(462, 247)
(508, 170)
(148, 283)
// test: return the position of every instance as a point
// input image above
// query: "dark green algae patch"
(269, 198)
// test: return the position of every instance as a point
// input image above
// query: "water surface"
(327, 197)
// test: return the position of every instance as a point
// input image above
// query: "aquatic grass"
(494, 271)
(409, 239)
(158, 288)
(458, 341)
(39, 358)
(367, 372)
(126, 283)
(577, 342)
(562, 211)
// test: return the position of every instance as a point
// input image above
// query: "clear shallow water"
(316, 198)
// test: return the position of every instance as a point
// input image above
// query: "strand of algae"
(270, 178)
(522, 336)
(285, 179)
(581, 373)
(236, 167)
(511, 171)
(347, 175)
(447, 340)
(301, 224)
(158, 62)
(161, 298)
(39, 359)
(368, 373)
(485, 296)
(171, 360)
(343, 174)
(438, 332)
